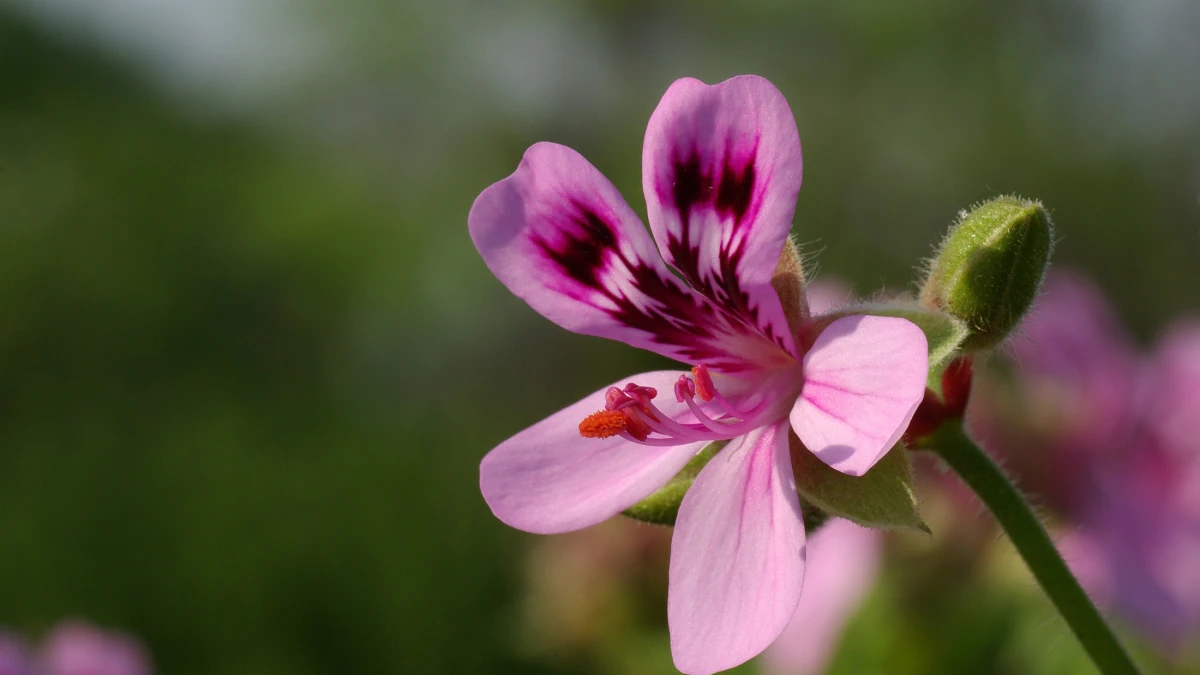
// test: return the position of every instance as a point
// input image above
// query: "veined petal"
(843, 560)
(559, 236)
(721, 168)
(737, 555)
(863, 379)
(548, 479)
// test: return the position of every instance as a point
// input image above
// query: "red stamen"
(704, 383)
(635, 426)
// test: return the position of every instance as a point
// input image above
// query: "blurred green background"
(249, 358)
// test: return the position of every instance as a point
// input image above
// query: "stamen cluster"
(631, 414)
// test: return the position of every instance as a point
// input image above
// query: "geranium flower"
(721, 170)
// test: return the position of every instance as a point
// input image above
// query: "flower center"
(631, 414)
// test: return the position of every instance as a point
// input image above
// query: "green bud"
(990, 268)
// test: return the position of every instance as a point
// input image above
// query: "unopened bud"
(990, 267)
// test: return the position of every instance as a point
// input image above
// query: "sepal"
(883, 498)
(662, 507)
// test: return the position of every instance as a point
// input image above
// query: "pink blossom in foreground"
(14, 655)
(76, 648)
(721, 171)
(843, 560)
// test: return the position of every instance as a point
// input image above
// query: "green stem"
(1021, 524)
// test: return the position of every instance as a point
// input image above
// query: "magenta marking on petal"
(587, 250)
(583, 252)
(721, 169)
(733, 192)
(729, 189)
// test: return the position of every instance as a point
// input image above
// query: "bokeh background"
(249, 358)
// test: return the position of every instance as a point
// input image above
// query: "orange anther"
(603, 424)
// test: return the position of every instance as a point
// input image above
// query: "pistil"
(631, 414)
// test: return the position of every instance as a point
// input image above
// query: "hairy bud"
(990, 267)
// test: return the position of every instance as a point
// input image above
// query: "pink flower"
(721, 170)
(1074, 396)
(76, 648)
(1137, 547)
(1077, 361)
(1115, 437)
(843, 560)
(1173, 389)
(14, 655)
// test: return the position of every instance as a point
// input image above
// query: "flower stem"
(1018, 520)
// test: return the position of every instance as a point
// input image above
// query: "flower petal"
(721, 168)
(737, 555)
(863, 379)
(843, 560)
(549, 479)
(559, 236)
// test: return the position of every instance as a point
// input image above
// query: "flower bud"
(990, 267)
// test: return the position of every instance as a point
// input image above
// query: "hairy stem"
(1021, 525)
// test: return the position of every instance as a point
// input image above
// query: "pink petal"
(721, 168)
(560, 237)
(863, 379)
(843, 560)
(737, 556)
(548, 479)
(1173, 388)
(1079, 365)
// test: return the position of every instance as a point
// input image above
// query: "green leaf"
(662, 507)
(882, 498)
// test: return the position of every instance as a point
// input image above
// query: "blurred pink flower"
(1077, 363)
(1172, 390)
(1137, 547)
(843, 560)
(1112, 439)
(76, 648)
(721, 170)
(1073, 398)
(1145, 515)
(14, 655)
